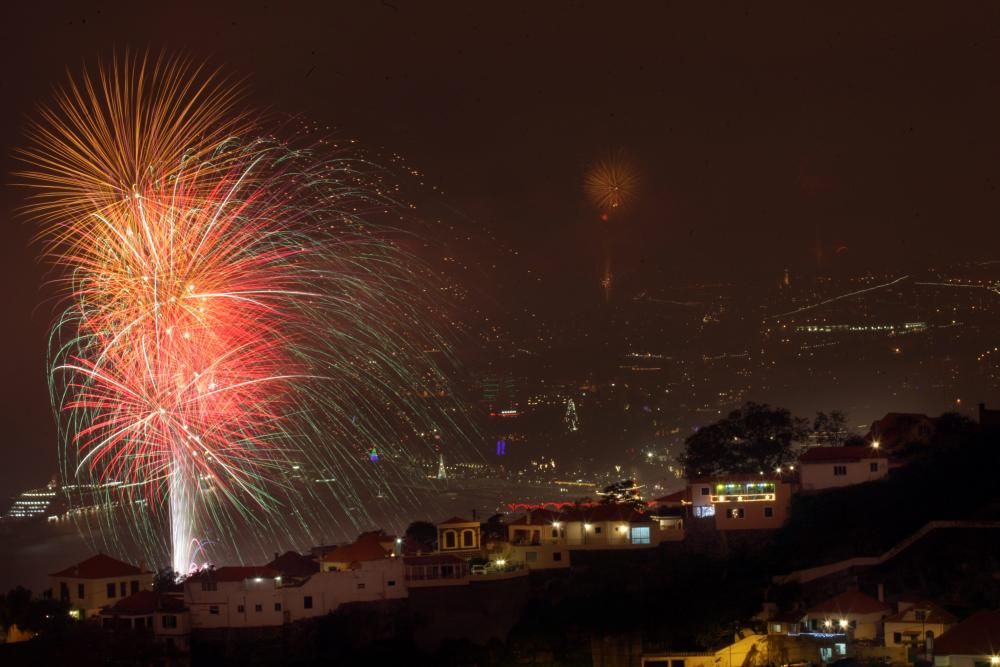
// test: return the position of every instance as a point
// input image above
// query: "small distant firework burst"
(611, 183)
(236, 330)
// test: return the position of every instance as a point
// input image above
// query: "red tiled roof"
(684, 495)
(368, 547)
(851, 602)
(979, 634)
(935, 614)
(539, 517)
(455, 519)
(236, 573)
(100, 566)
(293, 564)
(145, 602)
(837, 454)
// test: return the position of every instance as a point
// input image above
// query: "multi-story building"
(833, 467)
(98, 582)
(742, 502)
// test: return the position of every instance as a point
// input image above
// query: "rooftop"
(100, 566)
(979, 634)
(232, 573)
(851, 602)
(935, 614)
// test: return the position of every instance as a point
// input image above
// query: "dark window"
(597, 530)
(361, 586)
(240, 609)
(307, 602)
(214, 610)
(80, 591)
(468, 538)
(391, 582)
(449, 539)
(873, 467)
(209, 586)
(258, 607)
(676, 663)
(737, 513)
(63, 591)
(557, 555)
(122, 586)
(135, 586)
(277, 606)
(704, 491)
(168, 621)
(839, 471)
(920, 614)
(897, 637)
(768, 512)
(555, 532)
(111, 590)
(140, 622)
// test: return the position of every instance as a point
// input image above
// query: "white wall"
(374, 580)
(817, 476)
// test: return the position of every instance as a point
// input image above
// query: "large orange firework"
(231, 315)
(611, 183)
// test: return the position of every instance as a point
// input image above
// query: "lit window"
(640, 534)
(737, 513)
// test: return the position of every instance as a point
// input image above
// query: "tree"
(624, 492)
(165, 581)
(424, 533)
(494, 528)
(754, 438)
(830, 428)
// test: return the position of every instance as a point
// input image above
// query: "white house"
(98, 582)
(853, 613)
(832, 467)
(233, 597)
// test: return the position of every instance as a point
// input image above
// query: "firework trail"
(235, 328)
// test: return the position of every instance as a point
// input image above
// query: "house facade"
(456, 535)
(823, 468)
(98, 582)
(858, 615)
(234, 597)
(917, 624)
(741, 502)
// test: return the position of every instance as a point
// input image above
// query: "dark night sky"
(751, 125)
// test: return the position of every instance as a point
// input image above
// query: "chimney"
(474, 515)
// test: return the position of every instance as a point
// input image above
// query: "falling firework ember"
(236, 331)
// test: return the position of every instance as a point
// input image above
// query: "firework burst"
(236, 330)
(611, 183)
